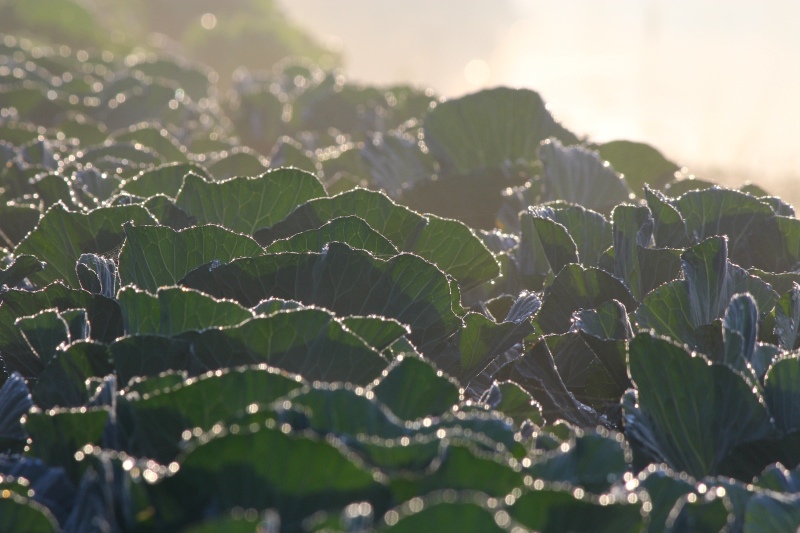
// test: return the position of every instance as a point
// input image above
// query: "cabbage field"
(307, 305)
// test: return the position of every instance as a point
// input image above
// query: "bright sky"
(714, 85)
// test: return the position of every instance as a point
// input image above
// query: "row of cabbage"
(219, 313)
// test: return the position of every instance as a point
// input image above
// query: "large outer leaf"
(62, 236)
(640, 163)
(489, 129)
(300, 475)
(555, 511)
(247, 204)
(310, 342)
(413, 389)
(175, 310)
(690, 413)
(346, 281)
(449, 244)
(155, 256)
(461, 467)
(757, 236)
(350, 230)
(153, 425)
(577, 175)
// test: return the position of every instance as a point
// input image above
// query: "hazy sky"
(714, 85)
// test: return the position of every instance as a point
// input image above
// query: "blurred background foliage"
(255, 32)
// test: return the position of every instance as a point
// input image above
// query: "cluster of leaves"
(219, 314)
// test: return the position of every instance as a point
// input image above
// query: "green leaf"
(412, 389)
(536, 372)
(310, 342)
(641, 267)
(593, 461)
(174, 310)
(706, 513)
(300, 475)
(239, 162)
(679, 308)
(584, 374)
(589, 230)
(245, 204)
(44, 331)
(640, 163)
(16, 221)
(772, 512)
(157, 139)
(155, 256)
(62, 236)
(344, 412)
(745, 220)
(665, 487)
(605, 331)
(488, 129)
(62, 383)
(98, 275)
(395, 162)
(449, 244)
(669, 228)
(782, 392)
(164, 210)
(787, 319)
(52, 188)
(482, 340)
(444, 515)
(377, 331)
(556, 242)
(517, 403)
(18, 513)
(57, 434)
(350, 230)
(346, 281)
(461, 467)
(577, 175)
(690, 413)
(103, 314)
(575, 288)
(740, 332)
(152, 424)
(165, 179)
(554, 511)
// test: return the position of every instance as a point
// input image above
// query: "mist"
(713, 88)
